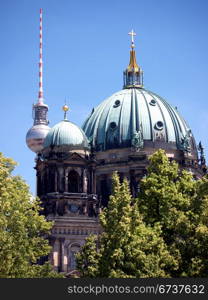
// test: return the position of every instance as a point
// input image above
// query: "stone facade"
(67, 189)
(75, 186)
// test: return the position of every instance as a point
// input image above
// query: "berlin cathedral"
(74, 165)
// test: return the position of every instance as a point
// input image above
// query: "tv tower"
(37, 133)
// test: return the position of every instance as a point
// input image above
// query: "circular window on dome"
(117, 103)
(153, 102)
(159, 125)
(113, 125)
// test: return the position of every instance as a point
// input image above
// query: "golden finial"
(65, 109)
(133, 34)
(133, 64)
(133, 75)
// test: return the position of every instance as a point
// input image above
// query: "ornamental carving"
(137, 141)
(185, 144)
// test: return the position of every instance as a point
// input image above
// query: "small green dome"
(66, 133)
(137, 113)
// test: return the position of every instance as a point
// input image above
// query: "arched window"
(72, 256)
(51, 183)
(73, 182)
(45, 182)
(105, 190)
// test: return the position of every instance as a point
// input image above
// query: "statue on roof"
(137, 141)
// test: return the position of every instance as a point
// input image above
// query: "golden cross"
(132, 33)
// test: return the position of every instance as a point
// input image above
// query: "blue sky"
(86, 49)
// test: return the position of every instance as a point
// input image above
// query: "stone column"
(61, 184)
(94, 181)
(52, 241)
(61, 254)
(56, 180)
(55, 255)
(65, 260)
(47, 180)
(66, 179)
(85, 181)
(89, 188)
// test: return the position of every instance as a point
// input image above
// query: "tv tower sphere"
(35, 137)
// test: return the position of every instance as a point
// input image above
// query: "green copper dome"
(66, 133)
(135, 117)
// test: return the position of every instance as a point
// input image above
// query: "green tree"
(22, 228)
(127, 247)
(171, 197)
(88, 258)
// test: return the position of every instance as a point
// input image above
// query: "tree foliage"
(127, 247)
(179, 203)
(163, 233)
(22, 229)
(88, 258)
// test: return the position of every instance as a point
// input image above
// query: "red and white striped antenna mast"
(40, 93)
